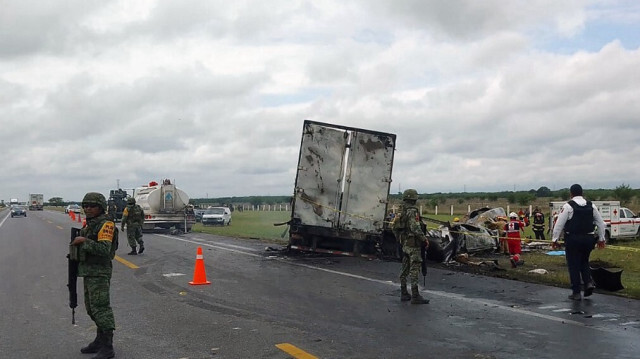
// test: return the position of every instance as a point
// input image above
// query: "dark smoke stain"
(317, 209)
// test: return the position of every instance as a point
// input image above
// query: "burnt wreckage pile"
(341, 199)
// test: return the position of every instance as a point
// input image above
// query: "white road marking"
(173, 274)
(4, 219)
(455, 296)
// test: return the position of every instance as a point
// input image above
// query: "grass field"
(624, 255)
(252, 224)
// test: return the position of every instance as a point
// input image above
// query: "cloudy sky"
(483, 95)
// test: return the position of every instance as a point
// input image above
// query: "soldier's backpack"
(400, 222)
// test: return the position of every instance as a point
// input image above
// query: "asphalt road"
(260, 300)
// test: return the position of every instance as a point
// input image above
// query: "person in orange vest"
(501, 223)
(513, 228)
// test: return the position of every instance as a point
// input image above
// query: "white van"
(216, 216)
(621, 222)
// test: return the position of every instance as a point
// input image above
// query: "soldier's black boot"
(133, 251)
(94, 346)
(141, 249)
(416, 298)
(404, 293)
(106, 347)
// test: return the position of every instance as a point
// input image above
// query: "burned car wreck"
(475, 233)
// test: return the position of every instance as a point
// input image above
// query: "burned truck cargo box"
(341, 189)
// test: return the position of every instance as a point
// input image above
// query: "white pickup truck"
(621, 222)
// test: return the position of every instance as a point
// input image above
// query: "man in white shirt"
(577, 220)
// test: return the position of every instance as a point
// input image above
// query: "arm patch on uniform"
(106, 232)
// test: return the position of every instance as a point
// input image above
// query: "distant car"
(217, 216)
(17, 211)
(198, 213)
(72, 208)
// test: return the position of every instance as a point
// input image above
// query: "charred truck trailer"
(341, 191)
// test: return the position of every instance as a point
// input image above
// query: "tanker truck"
(36, 202)
(165, 206)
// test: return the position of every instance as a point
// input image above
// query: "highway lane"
(328, 307)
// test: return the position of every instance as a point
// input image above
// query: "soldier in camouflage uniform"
(112, 209)
(409, 234)
(133, 217)
(94, 255)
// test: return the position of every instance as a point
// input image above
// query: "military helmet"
(410, 195)
(95, 198)
(131, 200)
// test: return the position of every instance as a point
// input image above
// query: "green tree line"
(623, 193)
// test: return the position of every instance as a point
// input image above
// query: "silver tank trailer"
(165, 206)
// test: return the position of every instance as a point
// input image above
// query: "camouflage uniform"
(95, 266)
(407, 230)
(111, 212)
(133, 217)
(95, 255)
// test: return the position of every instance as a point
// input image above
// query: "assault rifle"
(423, 265)
(72, 283)
(423, 249)
(423, 246)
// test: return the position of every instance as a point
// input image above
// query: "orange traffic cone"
(79, 218)
(72, 215)
(199, 276)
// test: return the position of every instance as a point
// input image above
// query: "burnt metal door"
(319, 178)
(343, 177)
(368, 178)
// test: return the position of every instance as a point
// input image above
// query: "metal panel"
(343, 178)
(368, 178)
(319, 178)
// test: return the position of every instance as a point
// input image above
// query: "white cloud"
(483, 96)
